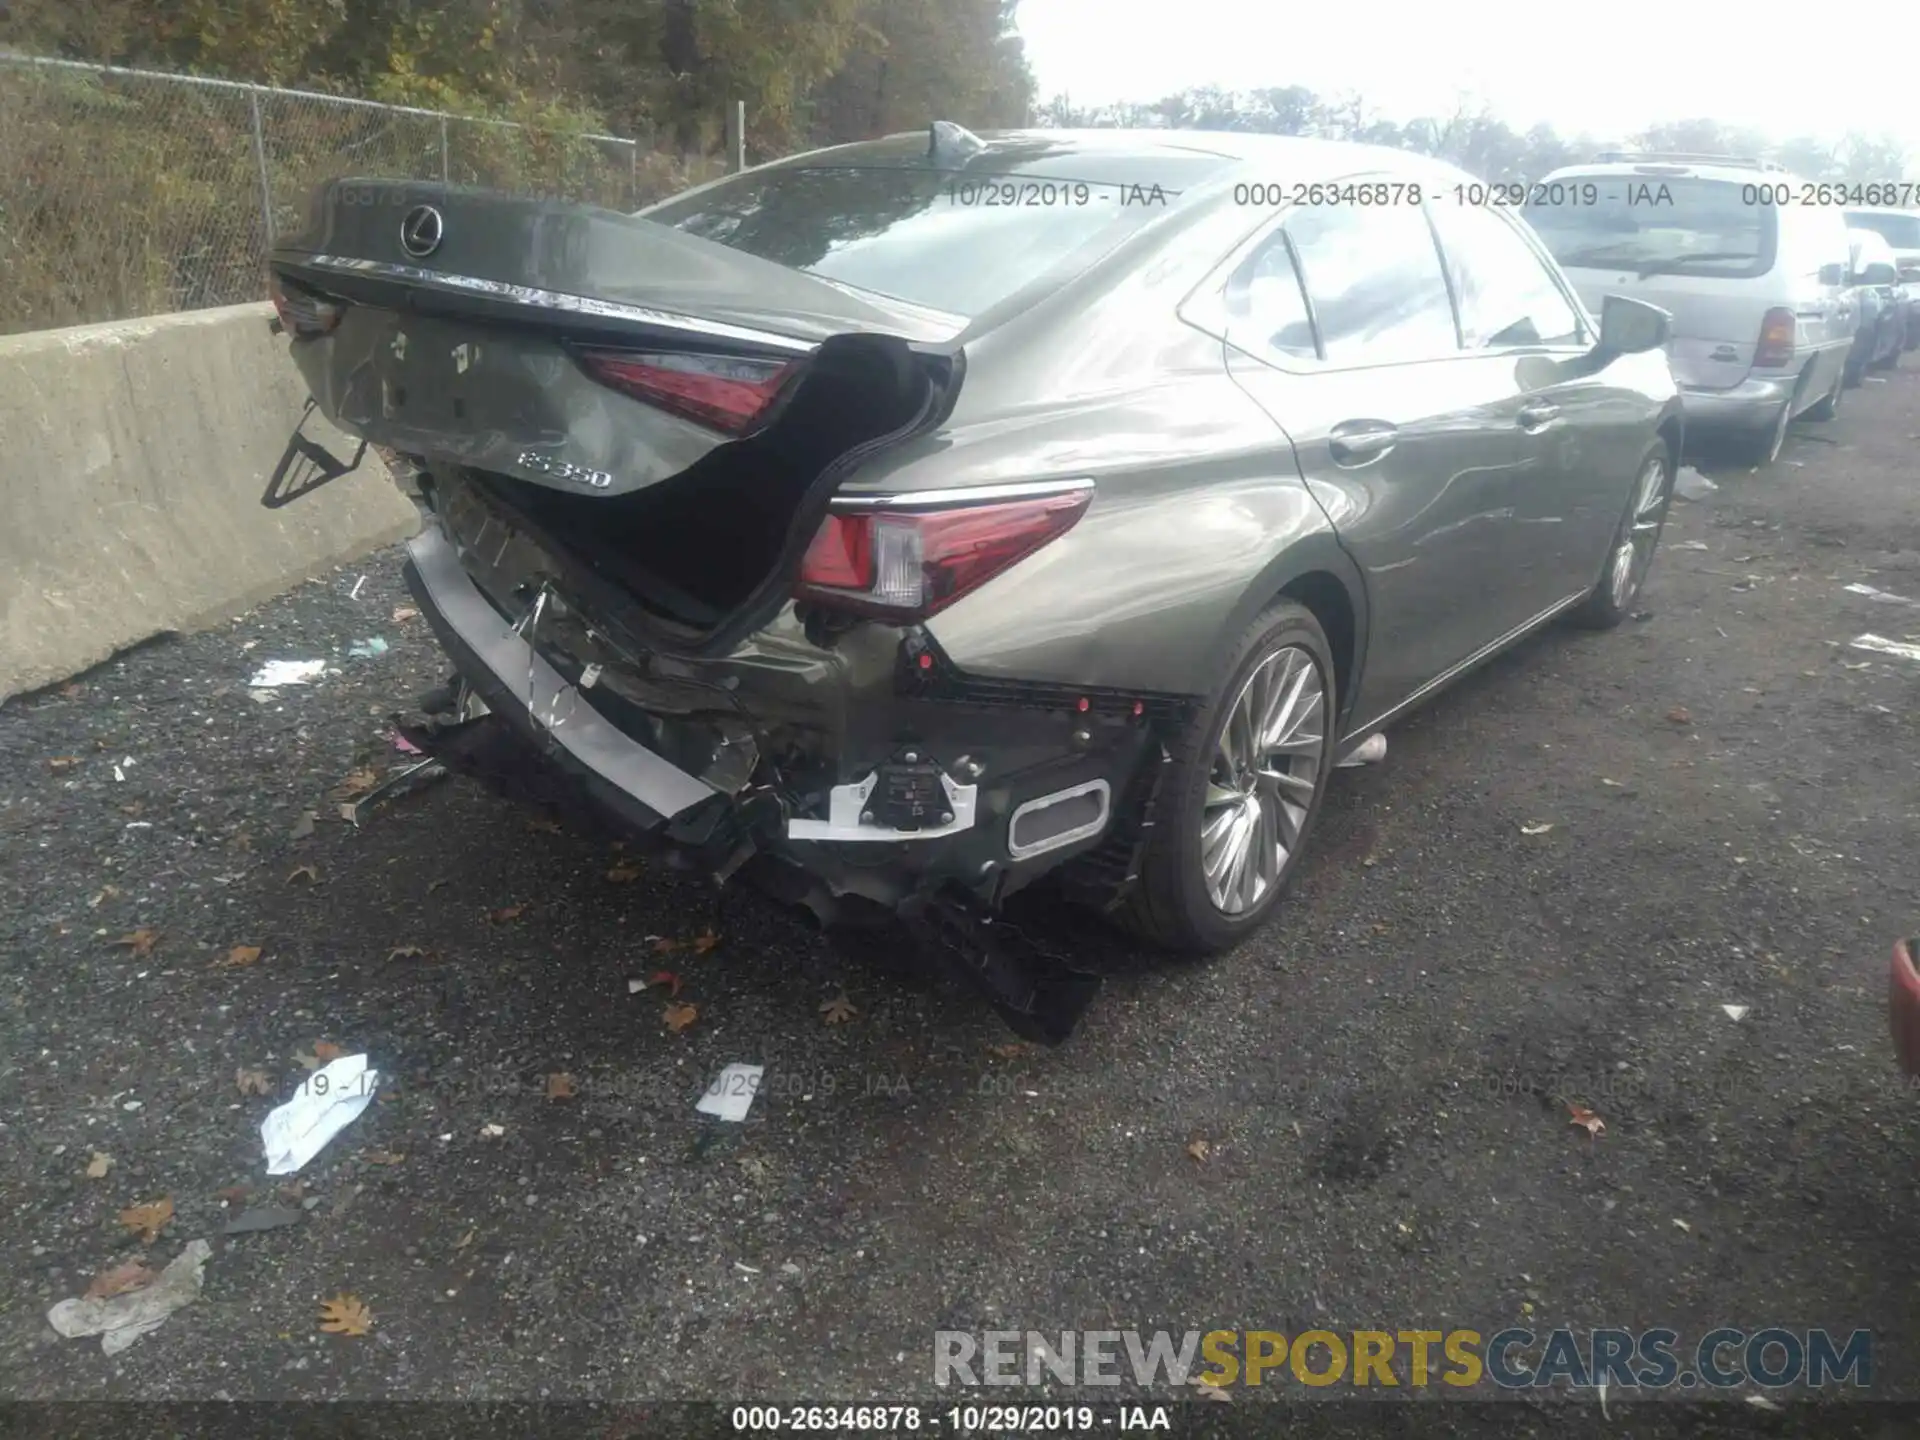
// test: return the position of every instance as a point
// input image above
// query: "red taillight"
(902, 565)
(1776, 339)
(722, 392)
(303, 314)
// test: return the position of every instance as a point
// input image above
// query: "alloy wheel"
(1266, 772)
(1634, 555)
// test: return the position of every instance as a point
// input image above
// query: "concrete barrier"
(132, 457)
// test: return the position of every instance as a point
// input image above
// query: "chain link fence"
(128, 192)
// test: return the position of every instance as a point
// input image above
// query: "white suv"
(1755, 278)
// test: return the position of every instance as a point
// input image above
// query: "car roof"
(1172, 158)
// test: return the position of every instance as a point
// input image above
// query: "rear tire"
(1634, 543)
(1247, 797)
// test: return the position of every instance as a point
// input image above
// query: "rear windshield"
(953, 242)
(1900, 231)
(1655, 225)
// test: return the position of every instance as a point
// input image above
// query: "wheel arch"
(1317, 573)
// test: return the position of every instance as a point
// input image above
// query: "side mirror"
(1630, 327)
(1832, 274)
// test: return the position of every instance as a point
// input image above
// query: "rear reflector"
(1777, 334)
(904, 566)
(722, 392)
(304, 314)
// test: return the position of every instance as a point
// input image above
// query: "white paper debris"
(1690, 545)
(1735, 1012)
(287, 672)
(730, 1096)
(326, 1103)
(1368, 752)
(1884, 646)
(1540, 829)
(123, 1319)
(1690, 484)
(1885, 597)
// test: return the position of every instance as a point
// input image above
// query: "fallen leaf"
(404, 613)
(1680, 715)
(679, 1017)
(1540, 829)
(1214, 1392)
(543, 825)
(253, 1082)
(233, 1195)
(239, 955)
(507, 913)
(705, 941)
(838, 1010)
(1011, 1050)
(491, 1131)
(561, 1087)
(665, 945)
(72, 691)
(98, 1167)
(126, 1276)
(1199, 1150)
(356, 782)
(345, 1315)
(349, 812)
(107, 892)
(666, 978)
(303, 872)
(326, 1050)
(1586, 1120)
(404, 952)
(60, 764)
(626, 870)
(147, 1221)
(140, 942)
(384, 1157)
(465, 1240)
(1681, 1224)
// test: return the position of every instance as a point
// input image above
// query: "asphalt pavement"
(1652, 874)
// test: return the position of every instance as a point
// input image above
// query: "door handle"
(1538, 415)
(1358, 442)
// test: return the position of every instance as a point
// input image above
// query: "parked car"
(1763, 318)
(1901, 230)
(911, 520)
(1881, 301)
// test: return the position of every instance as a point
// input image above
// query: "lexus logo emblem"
(421, 231)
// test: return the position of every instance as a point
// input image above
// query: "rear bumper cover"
(1753, 404)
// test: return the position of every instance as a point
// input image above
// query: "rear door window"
(1656, 225)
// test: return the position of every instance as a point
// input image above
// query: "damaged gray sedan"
(904, 522)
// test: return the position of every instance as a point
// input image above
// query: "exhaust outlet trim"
(1067, 828)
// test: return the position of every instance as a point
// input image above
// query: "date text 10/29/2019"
(955, 1419)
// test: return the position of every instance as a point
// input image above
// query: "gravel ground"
(1379, 1078)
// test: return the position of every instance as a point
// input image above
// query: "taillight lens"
(304, 314)
(1776, 339)
(905, 566)
(722, 392)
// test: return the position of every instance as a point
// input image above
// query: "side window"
(1373, 277)
(1265, 307)
(1507, 297)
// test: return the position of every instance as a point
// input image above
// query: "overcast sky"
(1608, 70)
